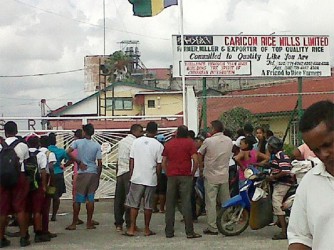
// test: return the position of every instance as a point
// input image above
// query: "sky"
(47, 36)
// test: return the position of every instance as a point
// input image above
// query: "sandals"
(127, 234)
(150, 233)
(193, 236)
(71, 227)
(279, 236)
(80, 222)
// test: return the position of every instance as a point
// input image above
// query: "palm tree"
(117, 66)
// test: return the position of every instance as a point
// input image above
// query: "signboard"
(252, 56)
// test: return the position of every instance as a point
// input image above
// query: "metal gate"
(107, 138)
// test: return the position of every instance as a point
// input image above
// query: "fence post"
(300, 105)
(205, 121)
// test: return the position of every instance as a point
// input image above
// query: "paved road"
(105, 236)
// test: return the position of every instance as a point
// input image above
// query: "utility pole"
(104, 28)
(43, 113)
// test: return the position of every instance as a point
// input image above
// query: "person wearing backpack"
(51, 160)
(36, 172)
(13, 196)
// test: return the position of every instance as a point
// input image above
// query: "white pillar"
(192, 109)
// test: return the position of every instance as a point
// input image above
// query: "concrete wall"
(278, 124)
(88, 106)
(126, 91)
(165, 104)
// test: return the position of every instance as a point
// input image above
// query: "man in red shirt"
(177, 160)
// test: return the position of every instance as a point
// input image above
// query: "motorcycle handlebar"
(259, 177)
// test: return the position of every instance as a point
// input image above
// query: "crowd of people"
(160, 175)
(32, 176)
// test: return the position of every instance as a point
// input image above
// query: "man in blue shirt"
(89, 174)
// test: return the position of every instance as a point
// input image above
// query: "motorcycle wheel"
(227, 220)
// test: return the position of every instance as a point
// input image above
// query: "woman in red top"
(248, 156)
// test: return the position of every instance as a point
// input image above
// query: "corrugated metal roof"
(274, 102)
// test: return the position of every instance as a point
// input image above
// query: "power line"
(43, 74)
(87, 23)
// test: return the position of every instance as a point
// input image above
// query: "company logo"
(196, 40)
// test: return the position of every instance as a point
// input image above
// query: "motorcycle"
(200, 197)
(252, 207)
(200, 192)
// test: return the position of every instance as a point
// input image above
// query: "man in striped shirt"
(282, 178)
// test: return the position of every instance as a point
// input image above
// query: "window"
(121, 103)
(118, 104)
(127, 104)
(151, 103)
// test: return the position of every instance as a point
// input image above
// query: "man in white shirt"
(145, 164)
(15, 198)
(312, 216)
(123, 176)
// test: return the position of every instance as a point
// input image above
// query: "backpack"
(10, 166)
(31, 169)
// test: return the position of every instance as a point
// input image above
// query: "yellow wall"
(278, 125)
(166, 104)
(124, 91)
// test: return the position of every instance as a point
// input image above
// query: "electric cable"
(42, 74)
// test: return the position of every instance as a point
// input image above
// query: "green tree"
(118, 65)
(236, 118)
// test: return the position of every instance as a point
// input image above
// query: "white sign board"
(252, 56)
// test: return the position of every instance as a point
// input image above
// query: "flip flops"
(71, 227)
(150, 233)
(279, 236)
(80, 222)
(128, 235)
